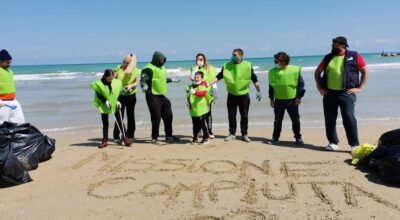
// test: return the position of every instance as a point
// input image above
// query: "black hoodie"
(147, 74)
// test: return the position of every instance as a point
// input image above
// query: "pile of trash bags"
(384, 159)
(22, 148)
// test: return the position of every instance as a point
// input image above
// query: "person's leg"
(231, 104)
(104, 120)
(347, 108)
(116, 133)
(279, 112)
(130, 114)
(209, 120)
(167, 116)
(204, 128)
(331, 105)
(293, 111)
(17, 116)
(244, 105)
(196, 127)
(155, 114)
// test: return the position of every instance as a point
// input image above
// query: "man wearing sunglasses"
(238, 74)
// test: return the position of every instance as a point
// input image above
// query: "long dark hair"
(206, 65)
(107, 73)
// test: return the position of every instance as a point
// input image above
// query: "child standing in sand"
(199, 106)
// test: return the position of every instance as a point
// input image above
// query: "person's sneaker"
(127, 142)
(273, 141)
(205, 142)
(172, 138)
(245, 138)
(353, 147)
(230, 137)
(212, 136)
(299, 141)
(332, 147)
(118, 141)
(194, 141)
(103, 143)
(154, 141)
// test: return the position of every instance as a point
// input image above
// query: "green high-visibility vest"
(208, 77)
(198, 105)
(284, 81)
(127, 79)
(159, 80)
(7, 85)
(237, 77)
(335, 73)
(112, 97)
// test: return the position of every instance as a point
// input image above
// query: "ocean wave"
(53, 76)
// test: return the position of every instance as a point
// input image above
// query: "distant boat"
(390, 54)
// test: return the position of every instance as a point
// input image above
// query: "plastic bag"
(11, 169)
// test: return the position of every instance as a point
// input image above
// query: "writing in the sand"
(230, 177)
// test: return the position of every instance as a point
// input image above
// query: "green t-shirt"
(335, 71)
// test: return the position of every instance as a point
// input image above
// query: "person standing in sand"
(10, 109)
(286, 88)
(154, 83)
(129, 75)
(338, 81)
(209, 72)
(238, 74)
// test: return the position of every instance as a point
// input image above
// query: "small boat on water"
(390, 54)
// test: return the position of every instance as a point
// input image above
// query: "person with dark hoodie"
(154, 83)
(107, 90)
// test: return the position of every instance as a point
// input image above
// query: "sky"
(98, 31)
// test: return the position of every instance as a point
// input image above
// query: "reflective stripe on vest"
(284, 81)
(103, 90)
(159, 80)
(237, 77)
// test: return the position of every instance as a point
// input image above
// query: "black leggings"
(128, 105)
(209, 120)
(199, 123)
(104, 119)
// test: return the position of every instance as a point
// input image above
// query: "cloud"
(385, 41)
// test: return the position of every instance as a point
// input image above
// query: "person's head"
(108, 75)
(129, 63)
(237, 55)
(339, 44)
(5, 59)
(198, 77)
(159, 59)
(281, 59)
(201, 60)
(126, 61)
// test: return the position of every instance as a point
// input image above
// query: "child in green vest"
(199, 105)
(107, 90)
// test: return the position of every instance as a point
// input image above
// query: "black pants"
(209, 120)
(243, 103)
(104, 120)
(128, 105)
(346, 102)
(199, 123)
(160, 108)
(293, 110)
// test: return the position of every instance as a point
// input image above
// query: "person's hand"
(192, 91)
(258, 96)
(354, 91)
(175, 80)
(272, 103)
(108, 104)
(297, 101)
(145, 88)
(119, 105)
(322, 91)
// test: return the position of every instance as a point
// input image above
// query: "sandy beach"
(234, 180)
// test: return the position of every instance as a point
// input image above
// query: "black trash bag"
(390, 138)
(11, 169)
(29, 145)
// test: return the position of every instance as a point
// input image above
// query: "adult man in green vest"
(286, 88)
(10, 109)
(238, 74)
(154, 83)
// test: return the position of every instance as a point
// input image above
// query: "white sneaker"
(230, 138)
(332, 147)
(353, 147)
(212, 136)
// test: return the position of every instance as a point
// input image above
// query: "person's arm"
(145, 79)
(219, 76)
(101, 97)
(362, 67)
(255, 80)
(318, 78)
(200, 93)
(300, 87)
(271, 93)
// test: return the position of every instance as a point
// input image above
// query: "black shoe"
(273, 141)
(194, 141)
(171, 138)
(299, 141)
(154, 141)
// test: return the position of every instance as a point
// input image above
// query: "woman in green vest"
(107, 90)
(209, 72)
(286, 88)
(199, 106)
(129, 75)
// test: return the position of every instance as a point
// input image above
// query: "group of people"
(337, 78)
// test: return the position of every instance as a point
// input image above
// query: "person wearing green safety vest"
(199, 106)
(238, 74)
(286, 88)
(10, 109)
(107, 90)
(129, 75)
(209, 72)
(154, 83)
